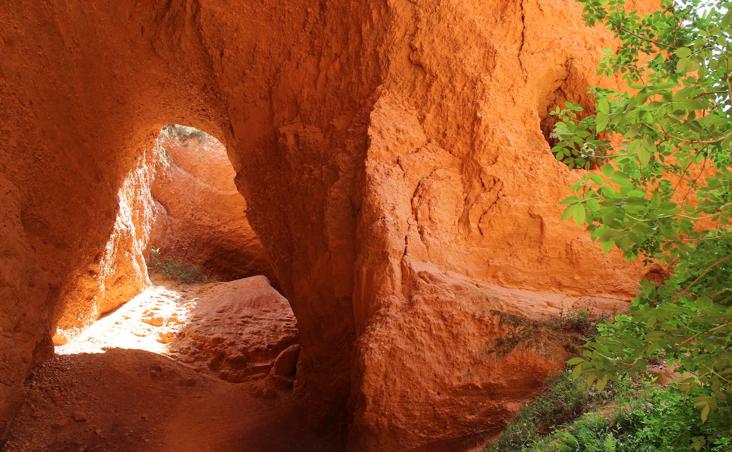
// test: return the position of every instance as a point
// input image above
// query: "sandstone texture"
(392, 157)
(202, 217)
(149, 403)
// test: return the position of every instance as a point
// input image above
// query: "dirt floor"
(127, 384)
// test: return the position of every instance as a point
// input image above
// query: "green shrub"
(664, 192)
(639, 418)
(563, 401)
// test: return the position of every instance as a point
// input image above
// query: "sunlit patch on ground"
(147, 322)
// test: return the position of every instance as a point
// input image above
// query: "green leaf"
(705, 413)
(603, 106)
(643, 149)
(685, 65)
(570, 200)
(607, 170)
(567, 213)
(578, 213)
(572, 106)
(574, 361)
(682, 52)
(602, 382)
(577, 371)
(601, 122)
(606, 245)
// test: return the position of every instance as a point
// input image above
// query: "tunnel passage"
(200, 216)
(85, 92)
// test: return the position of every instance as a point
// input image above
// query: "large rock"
(237, 329)
(202, 219)
(369, 139)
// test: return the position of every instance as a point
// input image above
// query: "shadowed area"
(142, 401)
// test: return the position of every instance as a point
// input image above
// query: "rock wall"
(202, 217)
(119, 272)
(393, 161)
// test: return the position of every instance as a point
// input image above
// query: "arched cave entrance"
(179, 304)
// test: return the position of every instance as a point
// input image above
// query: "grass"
(563, 401)
(177, 270)
(638, 416)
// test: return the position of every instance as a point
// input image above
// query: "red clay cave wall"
(394, 167)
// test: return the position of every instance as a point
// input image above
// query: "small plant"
(177, 270)
(577, 320)
(573, 144)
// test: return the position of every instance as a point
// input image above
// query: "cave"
(394, 175)
(180, 296)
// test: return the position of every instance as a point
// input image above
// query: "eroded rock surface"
(380, 146)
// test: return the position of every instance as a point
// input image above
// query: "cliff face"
(392, 157)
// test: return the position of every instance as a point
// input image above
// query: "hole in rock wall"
(183, 274)
(571, 89)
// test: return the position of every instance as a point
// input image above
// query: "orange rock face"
(392, 158)
(202, 217)
(119, 272)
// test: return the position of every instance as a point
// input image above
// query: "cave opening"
(176, 332)
(183, 273)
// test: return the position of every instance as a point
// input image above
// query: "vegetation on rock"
(664, 195)
(627, 415)
(179, 271)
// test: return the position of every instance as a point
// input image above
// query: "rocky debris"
(79, 416)
(285, 365)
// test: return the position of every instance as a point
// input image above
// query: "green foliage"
(664, 192)
(575, 145)
(177, 270)
(626, 416)
(564, 400)
(660, 419)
